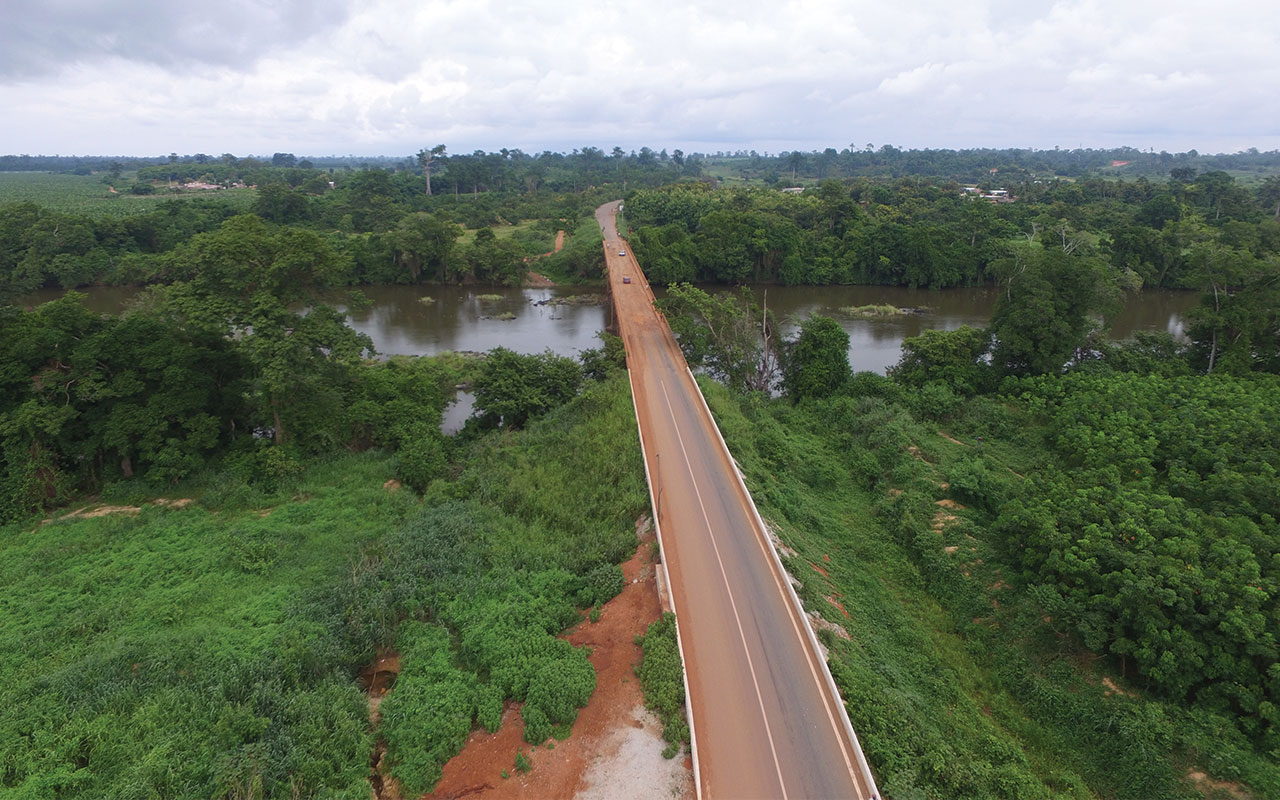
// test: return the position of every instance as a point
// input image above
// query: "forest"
(1049, 562)
(929, 232)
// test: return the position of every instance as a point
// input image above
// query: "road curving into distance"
(766, 717)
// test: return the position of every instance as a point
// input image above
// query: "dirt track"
(767, 720)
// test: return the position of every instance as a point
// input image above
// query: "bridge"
(765, 716)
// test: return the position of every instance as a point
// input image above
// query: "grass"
(874, 310)
(212, 650)
(88, 195)
(143, 649)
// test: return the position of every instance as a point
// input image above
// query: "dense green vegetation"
(1056, 559)
(1084, 580)
(1076, 596)
(661, 672)
(211, 650)
(929, 232)
(797, 167)
(478, 218)
(1043, 637)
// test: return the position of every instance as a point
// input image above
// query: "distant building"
(994, 196)
(792, 190)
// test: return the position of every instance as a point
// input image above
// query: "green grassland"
(88, 195)
(212, 650)
(957, 684)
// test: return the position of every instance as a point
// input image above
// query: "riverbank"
(401, 324)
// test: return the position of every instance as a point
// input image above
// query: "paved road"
(767, 720)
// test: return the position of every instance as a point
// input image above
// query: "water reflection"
(465, 318)
(876, 344)
(470, 318)
(457, 412)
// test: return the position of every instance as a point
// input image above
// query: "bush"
(537, 728)
(603, 583)
(559, 688)
(973, 482)
(934, 400)
(514, 387)
(489, 707)
(421, 459)
(661, 673)
(427, 718)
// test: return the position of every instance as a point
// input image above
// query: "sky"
(389, 77)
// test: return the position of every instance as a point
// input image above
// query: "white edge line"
(728, 587)
(671, 594)
(791, 590)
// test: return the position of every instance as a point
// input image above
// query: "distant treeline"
(979, 164)
(475, 172)
(917, 232)
(971, 164)
(383, 222)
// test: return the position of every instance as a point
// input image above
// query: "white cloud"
(389, 76)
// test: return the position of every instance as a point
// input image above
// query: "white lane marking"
(807, 642)
(775, 566)
(732, 604)
(671, 595)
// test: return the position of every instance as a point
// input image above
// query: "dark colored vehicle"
(626, 279)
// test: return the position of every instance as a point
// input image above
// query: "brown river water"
(400, 323)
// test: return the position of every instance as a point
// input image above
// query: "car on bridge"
(622, 252)
(626, 279)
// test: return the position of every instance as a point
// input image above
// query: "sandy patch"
(626, 769)
(941, 520)
(537, 280)
(1212, 788)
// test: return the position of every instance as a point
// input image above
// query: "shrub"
(489, 707)
(421, 459)
(603, 583)
(537, 728)
(934, 400)
(661, 673)
(559, 687)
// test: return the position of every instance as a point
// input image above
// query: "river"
(471, 318)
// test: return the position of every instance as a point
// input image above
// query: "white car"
(622, 252)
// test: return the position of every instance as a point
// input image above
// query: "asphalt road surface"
(767, 719)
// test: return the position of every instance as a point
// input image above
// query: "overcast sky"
(318, 77)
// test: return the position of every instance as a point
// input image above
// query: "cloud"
(43, 37)
(388, 76)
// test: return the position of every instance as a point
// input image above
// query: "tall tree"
(1052, 293)
(1236, 328)
(729, 334)
(245, 281)
(817, 360)
(428, 157)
